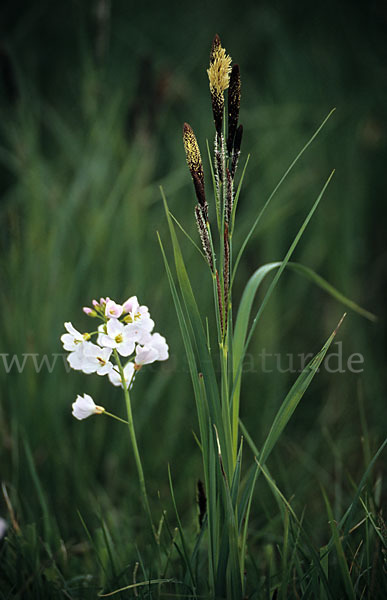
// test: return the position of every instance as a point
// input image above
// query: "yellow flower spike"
(220, 68)
(219, 77)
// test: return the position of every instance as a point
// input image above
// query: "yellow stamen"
(219, 70)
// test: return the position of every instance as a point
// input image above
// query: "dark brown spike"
(238, 139)
(215, 44)
(200, 193)
(234, 102)
(217, 101)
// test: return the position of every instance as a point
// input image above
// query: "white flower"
(159, 343)
(76, 359)
(113, 310)
(96, 359)
(73, 339)
(90, 358)
(145, 355)
(131, 305)
(117, 336)
(140, 330)
(84, 406)
(115, 377)
(134, 310)
(156, 348)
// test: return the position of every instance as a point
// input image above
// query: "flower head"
(126, 329)
(84, 406)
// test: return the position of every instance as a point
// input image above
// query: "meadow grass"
(81, 212)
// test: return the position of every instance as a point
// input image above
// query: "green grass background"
(91, 114)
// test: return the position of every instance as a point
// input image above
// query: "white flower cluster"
(125, 328)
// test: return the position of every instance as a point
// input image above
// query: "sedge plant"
(226, 495)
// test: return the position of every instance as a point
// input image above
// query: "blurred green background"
(93, 97)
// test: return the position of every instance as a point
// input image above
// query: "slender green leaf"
(346, 577)
(242, 343)
(138, 585)
(180, 226)
(293, 398)
(347, 519)
(181, 532)
(246, 240)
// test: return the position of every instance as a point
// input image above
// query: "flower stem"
(133, 439)
(108, 414)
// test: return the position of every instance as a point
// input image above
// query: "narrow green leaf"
(239, 336)
(293, 398)
(180, 226)
(138, 585)
(181, 532)
(39, 491)
(237, 194)
(346, 577)
(246, 241)
(281, 498)
(346, 521)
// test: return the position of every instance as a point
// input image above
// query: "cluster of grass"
(82, 159)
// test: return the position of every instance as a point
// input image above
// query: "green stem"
(108, 414)
(133, 439)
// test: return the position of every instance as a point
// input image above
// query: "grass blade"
(346, 577)
(246, 241)
(242, 344)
